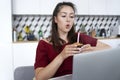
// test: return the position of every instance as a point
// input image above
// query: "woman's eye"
(63, 16)
(71, 16)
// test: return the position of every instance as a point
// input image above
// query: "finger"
(71, 46)
(80, 49)
(73, 49)
(74, 52)
(87, 49)
(86, 46)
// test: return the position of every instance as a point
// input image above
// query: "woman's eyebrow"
(66, 13)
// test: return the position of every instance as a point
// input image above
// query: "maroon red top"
(45, 53)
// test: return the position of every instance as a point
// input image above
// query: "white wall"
(6, 63)
(24, 53)
(45, 6)
(84, 7)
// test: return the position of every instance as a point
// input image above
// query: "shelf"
(99, 38)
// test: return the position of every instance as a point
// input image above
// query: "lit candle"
(78, 36)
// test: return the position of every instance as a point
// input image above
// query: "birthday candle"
(78, 36)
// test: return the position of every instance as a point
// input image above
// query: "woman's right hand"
(70, 50)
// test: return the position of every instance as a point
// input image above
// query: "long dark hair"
(55, 39)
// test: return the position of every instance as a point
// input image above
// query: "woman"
(54, 55)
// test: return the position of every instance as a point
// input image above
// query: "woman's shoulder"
(45, 41)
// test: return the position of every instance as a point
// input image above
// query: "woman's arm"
(44, 73)
(101, 46)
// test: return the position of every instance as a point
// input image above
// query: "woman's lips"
(67, 26)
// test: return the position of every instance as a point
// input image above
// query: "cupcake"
(78, 44)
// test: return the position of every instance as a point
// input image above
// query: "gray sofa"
(24, 73)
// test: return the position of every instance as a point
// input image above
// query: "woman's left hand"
(86, 48)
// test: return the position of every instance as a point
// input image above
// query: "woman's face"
(65, 19)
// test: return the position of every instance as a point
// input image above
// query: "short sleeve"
(41, 59)
(85, 39)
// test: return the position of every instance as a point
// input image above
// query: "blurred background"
(25, 22)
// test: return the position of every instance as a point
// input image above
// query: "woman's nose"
(68, 19)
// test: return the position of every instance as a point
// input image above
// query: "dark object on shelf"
(118, 35)
(102, 33)
(30, 37)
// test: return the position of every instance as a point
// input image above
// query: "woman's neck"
(64, 37)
